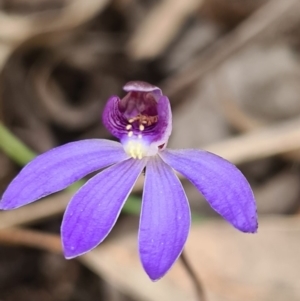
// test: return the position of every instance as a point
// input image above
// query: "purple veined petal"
(116, 124)
(156, 140)
(163, 128)
(94, 209)
(143, 117)
(112, 119)
(58, 168)
(165, 219)
(221, 183)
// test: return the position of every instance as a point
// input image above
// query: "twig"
(237, 117)
(30, 238)
(197, 282)
(16, 29)
(52, 206)
(160, 27)
(264, 142)
(226, 100)
(270, 18)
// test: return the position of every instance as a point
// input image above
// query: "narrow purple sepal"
(59, 168)
(221, 183)
(140, 86)
(94, 209)
(165, 219)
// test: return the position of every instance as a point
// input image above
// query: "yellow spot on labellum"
(130, 134)
(135, 149)
(142, 127)
(128, 127)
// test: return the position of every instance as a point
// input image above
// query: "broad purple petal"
(58, 168)
(94, 209)
(165, 219)
(222, 184)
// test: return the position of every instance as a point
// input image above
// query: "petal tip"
(249, 228)
(9, 203)
(155, 276)
(4, 206)
(155, 279)
(254, 229)
(156, 273)
(73, 252)
(69, 257)
(70, 252)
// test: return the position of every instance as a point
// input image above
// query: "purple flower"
(142, 121)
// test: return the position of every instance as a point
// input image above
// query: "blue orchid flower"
(142, 121)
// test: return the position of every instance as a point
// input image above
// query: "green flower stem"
(14, 148)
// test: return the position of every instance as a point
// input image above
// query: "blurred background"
(231, 69)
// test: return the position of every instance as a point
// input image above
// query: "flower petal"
(141, 87)
(143, 117)
(163, 129)
(58, 168)
(222, 184)
(165, 219)
(94, 209)
(112, 118)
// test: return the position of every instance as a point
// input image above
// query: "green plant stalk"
(14, 148)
